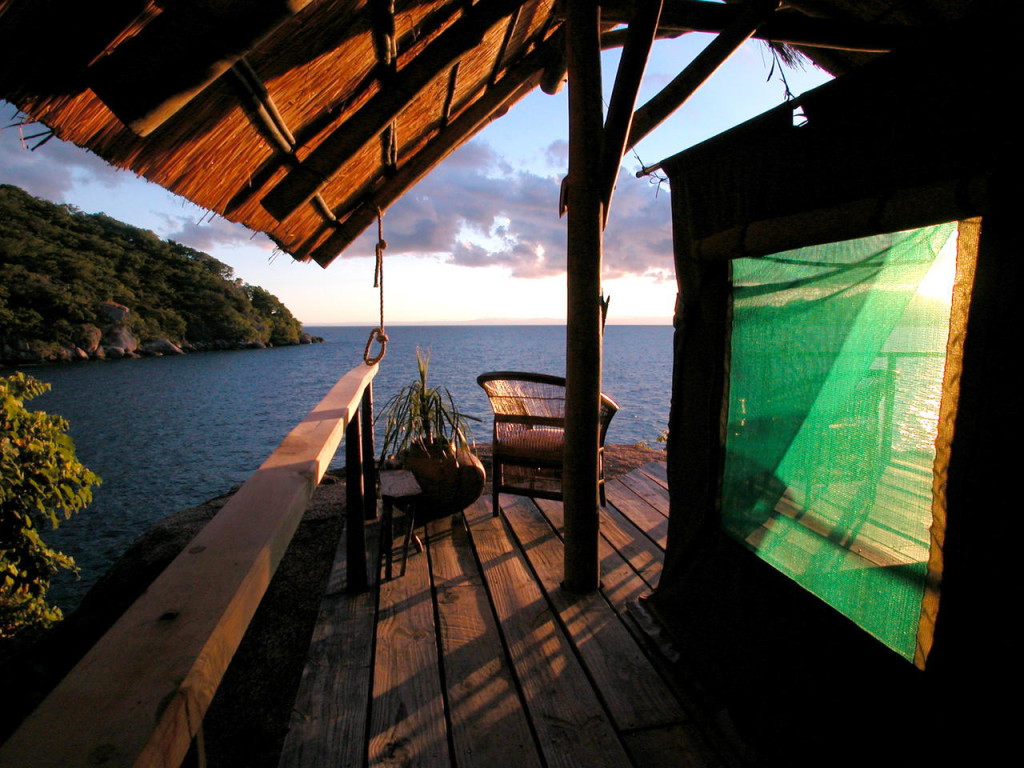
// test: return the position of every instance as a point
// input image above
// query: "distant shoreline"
(150, 349)
(511, 322)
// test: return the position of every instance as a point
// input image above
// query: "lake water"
(166, 433)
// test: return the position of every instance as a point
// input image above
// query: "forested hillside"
(72, 283)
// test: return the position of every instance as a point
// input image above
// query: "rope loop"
(378, 335)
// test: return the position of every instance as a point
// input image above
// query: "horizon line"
(496, 321)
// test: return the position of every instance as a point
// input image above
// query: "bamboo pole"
(581, 471)
(639, 39)
(686, 83)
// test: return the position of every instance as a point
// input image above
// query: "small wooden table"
(398, 487)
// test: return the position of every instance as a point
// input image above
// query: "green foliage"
(41, 481)
(422, 416)
(61, 265)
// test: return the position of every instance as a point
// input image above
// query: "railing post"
(369, 465)
(355, 511)
(140, 694)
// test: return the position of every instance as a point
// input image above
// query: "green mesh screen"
(834, 390)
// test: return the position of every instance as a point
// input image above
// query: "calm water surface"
(167, 433)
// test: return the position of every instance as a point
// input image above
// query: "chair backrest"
(534, 399)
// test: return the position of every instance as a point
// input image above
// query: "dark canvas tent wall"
(920, 138)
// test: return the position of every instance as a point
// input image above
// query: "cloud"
(51, 170)
(205, 232)
(476, 211)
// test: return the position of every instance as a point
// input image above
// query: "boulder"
(161, 346)
(17, 349)
(89, 337)
(119, 336)
(114, 353)
(114, 313)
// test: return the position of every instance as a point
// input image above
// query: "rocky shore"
(115, 341)
(248, 719)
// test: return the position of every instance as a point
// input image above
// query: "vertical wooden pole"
(580, 469)
(355, 514)
(369, 467)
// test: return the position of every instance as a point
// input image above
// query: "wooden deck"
(477, 657)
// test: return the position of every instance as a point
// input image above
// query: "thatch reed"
(299, 119)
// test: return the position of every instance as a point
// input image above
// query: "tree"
(41, 480)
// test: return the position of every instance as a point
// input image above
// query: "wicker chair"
(529, 433)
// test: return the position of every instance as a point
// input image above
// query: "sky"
(477, 240)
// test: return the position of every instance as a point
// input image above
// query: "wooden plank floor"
(476, 658)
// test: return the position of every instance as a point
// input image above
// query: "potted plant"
(425, 433)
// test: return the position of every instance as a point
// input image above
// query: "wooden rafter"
(261, 108)
(686, 83)
(681, 16)
(499, 59)
(387, 59)
(517, 81)
(149, 77)
(641, 33)
(449, 96)
(462, 36)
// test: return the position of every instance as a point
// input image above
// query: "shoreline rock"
(118, 344)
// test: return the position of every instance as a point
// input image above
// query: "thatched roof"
(299, 118)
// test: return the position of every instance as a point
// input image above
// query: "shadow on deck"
(477, 657)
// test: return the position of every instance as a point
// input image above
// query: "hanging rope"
(377, 334)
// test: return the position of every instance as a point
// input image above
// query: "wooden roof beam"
(149, 77)
(260, 107)
(517, 81)
(642, 30)
(680, 16)
(307, 178)
(686, 83)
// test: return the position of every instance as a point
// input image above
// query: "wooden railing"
(139, 696)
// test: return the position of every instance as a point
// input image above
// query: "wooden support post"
(369, 467)
(580, 472)
(686, 83)
(639, 40)
(354, 510)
